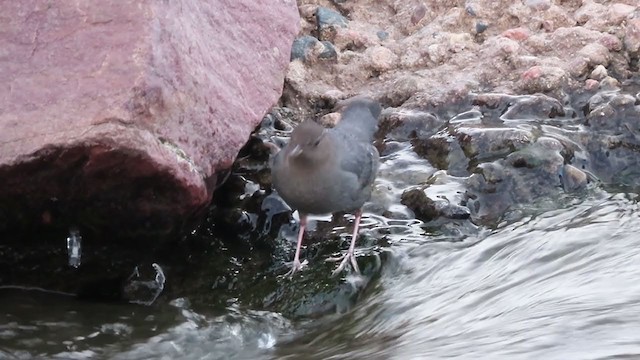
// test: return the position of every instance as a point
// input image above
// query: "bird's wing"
(362, 161)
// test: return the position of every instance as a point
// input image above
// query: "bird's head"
(308, 143)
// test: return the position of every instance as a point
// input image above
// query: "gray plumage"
(329, 170)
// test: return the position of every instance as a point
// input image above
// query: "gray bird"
(324, 171)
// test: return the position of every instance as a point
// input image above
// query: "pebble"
(481, 27)
(302, 46)
(591, 84)
(382, 35)
(619, 12)
(328, 52)
(599, 73)
(632, 36)
(419, 13)
(539, 5)
(518, 34)
(381, 58)
(596, 54)
(572, 178)
(543, 78)
(609, 83)
(327, 21)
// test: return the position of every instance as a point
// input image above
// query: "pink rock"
(128, 112)
(532, 73)
(543, 79)
(619, 12)
(596, 54)
(518, 34)
(381, 58)
(591, 84)
(611, 42)
(632, 36)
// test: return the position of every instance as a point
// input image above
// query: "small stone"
(572, 178)
(329, 51)
(589, 10)
(599, 73)
(327, 21)
(330, 120)
(619, 12)
(452, 211)
(470, 10)
(481, 27)
(419, 13)
(578, 66)
(611, 42)
(539, 5)
(333, 96)
(595, 54)
(543, 78)
(518, 34)
(423, 207)
(302, 47)
(382, 35)
(591, 84)
(632, 36)
(609, 83)
(381, 58)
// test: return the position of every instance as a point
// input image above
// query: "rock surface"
(127, 113)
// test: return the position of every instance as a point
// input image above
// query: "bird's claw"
(296, 265)
(344, 260)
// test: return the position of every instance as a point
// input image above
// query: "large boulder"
(127, 113)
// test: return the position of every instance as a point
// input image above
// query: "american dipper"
(324, 171)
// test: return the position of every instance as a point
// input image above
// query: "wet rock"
(533, 107)
(452, 211)
(424, 208)
(491, 142)
(122, 119)
(328, 21)
(573, 179)
(405, 124)
(443, 152)
(609, 83)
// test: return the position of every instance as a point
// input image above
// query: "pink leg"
(350, 257)
(297, 265)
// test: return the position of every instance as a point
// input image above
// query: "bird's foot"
(295, 266)
(349, 257)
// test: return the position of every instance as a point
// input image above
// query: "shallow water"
(559, 284)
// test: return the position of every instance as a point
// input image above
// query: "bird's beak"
(297, 150)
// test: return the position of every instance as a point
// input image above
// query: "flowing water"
(558, 284)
